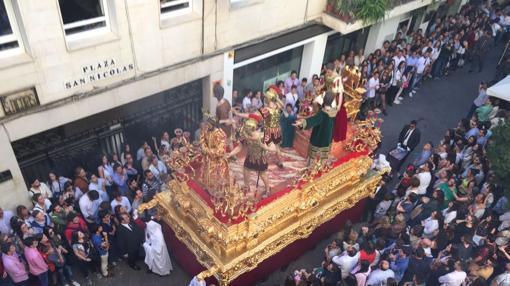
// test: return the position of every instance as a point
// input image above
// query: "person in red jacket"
(75, 223)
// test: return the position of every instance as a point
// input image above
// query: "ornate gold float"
(238, 248)
(227, 250)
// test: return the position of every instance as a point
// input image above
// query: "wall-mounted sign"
(99, 71)
(19, 101)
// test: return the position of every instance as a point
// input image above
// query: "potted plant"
(346, 9)
(372, 11)
(330, 5)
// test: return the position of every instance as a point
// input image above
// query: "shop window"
(8, 37)
(258, 76)
(339, 44)
(170, 8)
(79, 16)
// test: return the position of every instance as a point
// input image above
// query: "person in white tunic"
(156, 253)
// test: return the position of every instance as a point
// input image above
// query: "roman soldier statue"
(271, 114)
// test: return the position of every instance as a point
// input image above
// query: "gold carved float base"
(229, 250)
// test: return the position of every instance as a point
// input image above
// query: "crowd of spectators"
(446, 221)
(397, 69)
(89, 222)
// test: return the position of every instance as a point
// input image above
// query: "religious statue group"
(262, 131)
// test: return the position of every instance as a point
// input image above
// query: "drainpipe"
(133, 53)
(202, 49)
(216, 25)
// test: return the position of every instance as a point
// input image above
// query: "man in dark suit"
(129, 239)
(409, 137)
(480, 49)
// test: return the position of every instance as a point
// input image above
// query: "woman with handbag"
(384, 85)
(85, 254)
(397, 83)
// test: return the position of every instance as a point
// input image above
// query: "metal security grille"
(81, 143)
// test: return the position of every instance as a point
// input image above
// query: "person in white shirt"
(503, 279)
(504, 20)
(435, 51)
(398, 58)
(454, 278)
(397, 81)
(247, 101)
(165, 141)
(89, 205)
(346, 261)
(496, 31)
(461, 50)
(97, 184)
(373, 85)
(379, 276)
(422, 63)
(450, 213)
(430, 225)
(5, 221)
(158, 168)
(41, 203)
(383, 207)
(40, 188)
(292, 98)
(256, 103)
(425, 177)
(427, 47)
(119, 199)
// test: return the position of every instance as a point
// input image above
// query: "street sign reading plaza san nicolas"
(99, 71)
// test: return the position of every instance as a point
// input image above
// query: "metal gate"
(64, 148)
(68, 154)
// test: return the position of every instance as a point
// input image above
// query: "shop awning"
(501, 89)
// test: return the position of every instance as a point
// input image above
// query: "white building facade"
(82, 77)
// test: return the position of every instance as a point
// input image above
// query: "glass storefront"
(259, 75)
(341, 44)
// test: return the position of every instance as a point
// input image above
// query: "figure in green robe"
(322, 128)
(288, 118)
